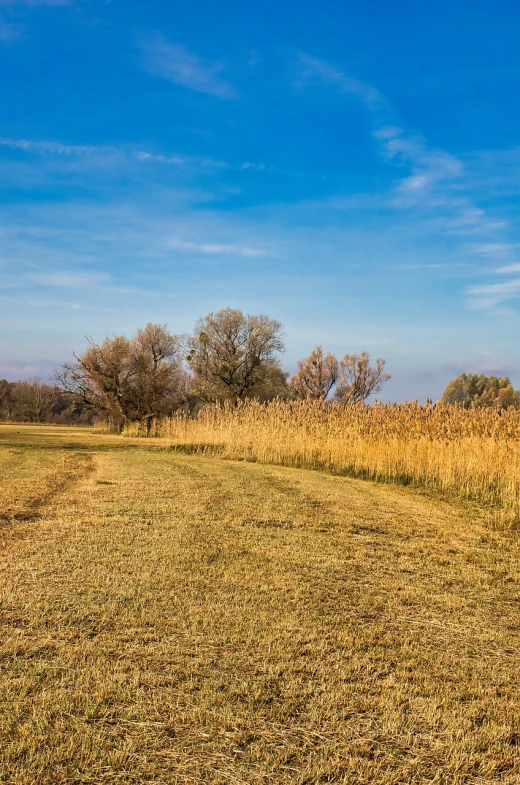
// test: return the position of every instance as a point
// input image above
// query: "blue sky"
(351, 169)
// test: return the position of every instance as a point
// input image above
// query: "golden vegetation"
(171, 618)
(468, 454)
(29, 476)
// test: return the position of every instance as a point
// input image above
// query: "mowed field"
(168, 618)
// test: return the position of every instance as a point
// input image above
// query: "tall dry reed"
(467, 454)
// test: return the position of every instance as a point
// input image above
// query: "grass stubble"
(169, 618)
(467, 455)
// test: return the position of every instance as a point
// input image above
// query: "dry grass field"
(171, 618)
(468, 455)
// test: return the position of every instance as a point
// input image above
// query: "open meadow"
(169, 617)
(469, 455)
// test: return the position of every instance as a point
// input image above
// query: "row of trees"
(229, 357)
(35, 401)
(351, 379)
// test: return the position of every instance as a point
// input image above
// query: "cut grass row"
(180, 619)
(470, 455)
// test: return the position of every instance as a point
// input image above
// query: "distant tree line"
(35, 401)
(229, 356)
(472, 390)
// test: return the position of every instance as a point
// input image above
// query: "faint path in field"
(179, 619)
(70, 471)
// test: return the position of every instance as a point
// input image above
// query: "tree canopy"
(316, 375)
(479, 390)
(128, 379)
(234, 356)
(36, 401)
(230, 356)
(351, 379)
(358, 379)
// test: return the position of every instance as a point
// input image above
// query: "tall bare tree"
(8, 399)
(316, 375)
(35, 399)
(157, 379)
(126, 379)
(231, 354)
(357, 379)
(99, 378)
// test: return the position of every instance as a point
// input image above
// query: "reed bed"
(466, 454)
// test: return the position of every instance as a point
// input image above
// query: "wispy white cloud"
(485, 296)
(436, 179)
(216, 248)
(69, 279)
(429, 166)
(53, 148)
(254, 167)
(314, 71)
(142, 155)
(477, 367)
(473, 220)
(11, 9)
(493, 294)
(57, 279)
(427, 266)
(468, 218)
(509, 268)
(112, 153)
(175, 63)
(492, 250)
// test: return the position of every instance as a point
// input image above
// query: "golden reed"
(467, 454)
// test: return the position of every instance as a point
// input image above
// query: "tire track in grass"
(70, 470)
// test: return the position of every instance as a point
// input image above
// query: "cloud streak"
(58, 149)
(176, 64)
(508, 269)
(435, 180)
(492, 295)
(216, 248)
(70, 279)
(314, 71)
(429, 166)
(477, 367)
(53, 148)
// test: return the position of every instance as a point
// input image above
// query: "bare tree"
(157, 378)
(128, 379)
(316, 375)
(357, 379)
(100, 378)
(231, 354)
(8, 399)
(35, 399)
